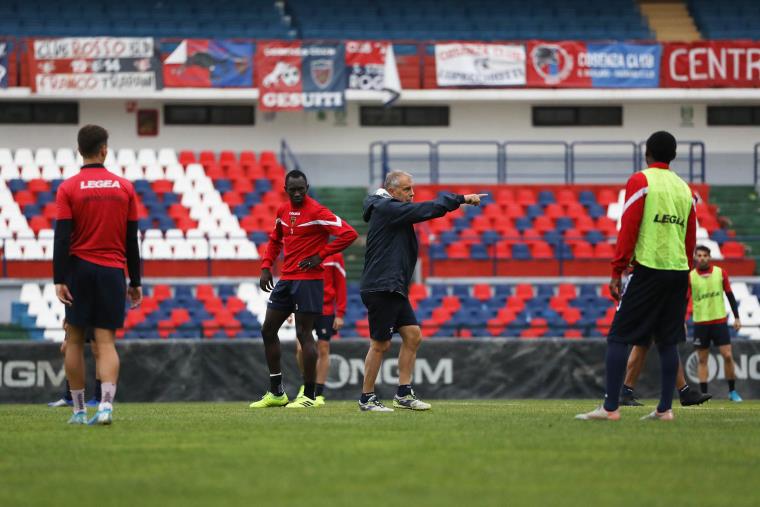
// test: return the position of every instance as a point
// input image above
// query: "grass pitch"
(462, 453)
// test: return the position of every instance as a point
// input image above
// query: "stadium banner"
(711, 64)
(6, 48)
(292, 76)
(207, 63)
(575, 64)
(227, 370)
(461, 64)
(93, 65)
(371, 65)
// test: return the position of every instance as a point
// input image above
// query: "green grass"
(463, 453)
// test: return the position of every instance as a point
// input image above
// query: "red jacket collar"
(660, 165)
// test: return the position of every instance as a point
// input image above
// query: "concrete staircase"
(741, 205)
(346, 202)
(669, 20)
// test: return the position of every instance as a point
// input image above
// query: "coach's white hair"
(393, 177)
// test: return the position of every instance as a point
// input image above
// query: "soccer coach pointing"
(388, 267)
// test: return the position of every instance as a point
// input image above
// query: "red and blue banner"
(573, 64)
(292, 76)
(207, 63)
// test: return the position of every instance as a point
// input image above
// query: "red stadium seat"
(207, 157)
(215, 171)
(38, 186)
(526, 197)
(242, 186)
(604, 250)
(161, 292)
(204, 292)
(732, 250)
(162, 186)
(179, 316)
(541, 250)
(606, 197)
(482, 292)
(503, 249)
(571, 315)
(524, 291)
(554, 211)
(567, 290)
(418, 291)
(458, 250)
(573, 334)
(228, 157)
(575, 210)
(451, 303)
(566, 197)
(232, 198)
(543, 224)
(186, 157)
(38, 223)
(517, 302)
(583, 250)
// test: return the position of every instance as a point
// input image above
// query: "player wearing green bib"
(708, 283)
(657, 236)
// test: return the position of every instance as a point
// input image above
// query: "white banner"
(480, 64)
(93, 47)
(112, 82)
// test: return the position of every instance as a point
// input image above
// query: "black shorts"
(299, 296)
(652, 307)
(707, 334)
(324, 327)
(99, 294)
(388, 311)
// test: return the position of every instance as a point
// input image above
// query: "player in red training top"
(331, 320)
(95, 237)
(302, 230)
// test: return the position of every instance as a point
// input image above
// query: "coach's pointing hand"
(265, 281)
(473, 199)
(310, 262)
(615, 288)
(64, 296)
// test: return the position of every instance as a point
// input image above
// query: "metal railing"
(566, 161)
(288, 159)
(756, 165)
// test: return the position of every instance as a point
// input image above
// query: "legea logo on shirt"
(99, 184)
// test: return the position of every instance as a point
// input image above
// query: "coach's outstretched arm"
(414, 212)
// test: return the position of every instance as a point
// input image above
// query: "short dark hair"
(702, 248)
(90, 139)
(661, 146)
(294, 174)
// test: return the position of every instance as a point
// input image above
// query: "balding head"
(399, 185)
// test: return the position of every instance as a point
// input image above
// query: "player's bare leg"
(276, 396)
(107, 366)
(304, 334)
(75, 372)
(369, 401)
(323, 361)
(728, 365)
(703, 355)
(411, 337)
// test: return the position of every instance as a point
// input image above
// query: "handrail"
(756, 164)
(287, 157)
(430, 158)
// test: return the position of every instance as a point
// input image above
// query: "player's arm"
(690, 241)
(273, 249)
(133, 254)
(343, 233)
(61, 246)
(731, 300)
(633, 211)
(415, 212)
(339, 282)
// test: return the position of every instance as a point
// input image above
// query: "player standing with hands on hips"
(302, 231)
(95, 236)
(657, 235)
(389, 263)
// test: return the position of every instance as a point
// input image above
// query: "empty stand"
(222, 310)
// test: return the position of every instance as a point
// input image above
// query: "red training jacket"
(303, 231)
(633, 211)
(335, 286)
(99, 204)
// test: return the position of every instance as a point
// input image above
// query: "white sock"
(108, 392)
(77, 396)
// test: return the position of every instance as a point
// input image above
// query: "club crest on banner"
(551, 62)
(322, 72)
